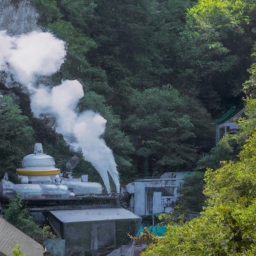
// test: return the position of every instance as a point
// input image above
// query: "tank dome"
(38, 164)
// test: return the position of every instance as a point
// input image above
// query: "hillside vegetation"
(158, 70)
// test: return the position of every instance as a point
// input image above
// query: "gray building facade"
(93, 232)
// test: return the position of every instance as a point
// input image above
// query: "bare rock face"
(8, 80)
(17, 17)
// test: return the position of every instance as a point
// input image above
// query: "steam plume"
(29, 56)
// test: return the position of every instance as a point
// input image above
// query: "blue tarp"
(155, 230)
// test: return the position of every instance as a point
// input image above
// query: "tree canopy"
(16, 135)
(119, 52)
(159, 72)
(163, 130)
(126, 54)
(227, 224)
(19, 216)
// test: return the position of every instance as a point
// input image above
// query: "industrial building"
(152, 196)
(93, 231)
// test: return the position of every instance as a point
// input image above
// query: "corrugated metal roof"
(88, 215)
(10, 236)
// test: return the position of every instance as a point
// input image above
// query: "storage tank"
(40, 179)
(38, 167)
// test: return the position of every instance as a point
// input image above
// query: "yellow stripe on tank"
(25, 172)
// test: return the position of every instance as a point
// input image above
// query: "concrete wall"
(57, 225)
(140, 198)
(78, 238)
(123, 228)
(155, 195)
(56, 246)
(91, 238)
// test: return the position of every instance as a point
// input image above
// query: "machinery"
(40, 180)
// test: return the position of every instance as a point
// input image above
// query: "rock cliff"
(17, 17)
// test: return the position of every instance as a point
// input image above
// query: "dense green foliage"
(227, 224)
(117, 51)
(19, 216)
(225, 30)
(214, 49)
(16, 251)
(159, 71)
(16, 135)
(192, 199)
(128, 54)
(163, 128)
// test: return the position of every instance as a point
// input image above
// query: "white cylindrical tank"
(42, 191)
(82, 188)
(40, 178)
(38, 165)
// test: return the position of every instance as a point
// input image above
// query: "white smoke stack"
(35, 54)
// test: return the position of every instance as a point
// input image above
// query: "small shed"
(93, 231)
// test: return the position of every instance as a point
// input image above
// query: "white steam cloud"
(35, 54)
(28, 56)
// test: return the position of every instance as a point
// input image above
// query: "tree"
(19, 216)
(16, 137)
(16, 251)
(118, 49)
(135, 45)
(213, 50)
(160, 128)
(192, 198)
(226, 150)
(69, 21)
(228, 147)
(226, 225)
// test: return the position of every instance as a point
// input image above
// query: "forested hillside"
(159, 72)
